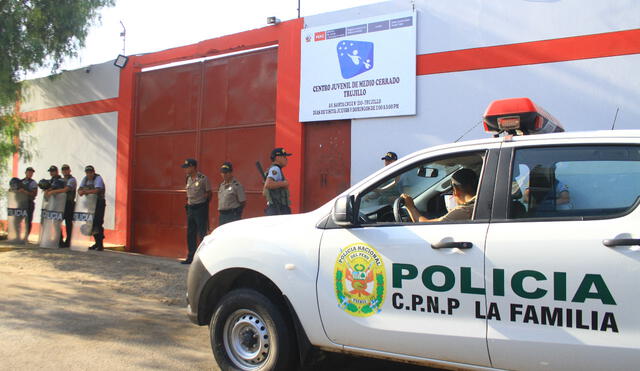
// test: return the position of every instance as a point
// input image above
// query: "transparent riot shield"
(83, 222)
(17, 217)
(51, 220)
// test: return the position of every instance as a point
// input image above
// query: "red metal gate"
(327, 161)
(214, 111)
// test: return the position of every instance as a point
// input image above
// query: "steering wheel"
(397, 205)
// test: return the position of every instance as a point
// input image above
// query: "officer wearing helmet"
(276, 186)
(93, 183)
(69, 187)
(231, 197)
(30, 188)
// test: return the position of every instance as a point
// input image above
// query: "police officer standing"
(93, 183)
(55, 179)
(276, 186)
(30, 187)
(231, 197)
(198, 197)
(70, 185)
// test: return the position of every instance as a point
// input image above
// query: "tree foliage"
(36, 34)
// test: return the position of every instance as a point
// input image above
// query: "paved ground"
(67, 310)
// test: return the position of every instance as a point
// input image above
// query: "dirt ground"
(67, 310)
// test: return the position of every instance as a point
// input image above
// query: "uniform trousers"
(68, 222)
(273, 209)
(197, 226)
(30, 208)
(230, 215)
(98, 220)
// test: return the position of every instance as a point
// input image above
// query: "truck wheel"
(248, 331)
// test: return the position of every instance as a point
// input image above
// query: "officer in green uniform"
(276, 186)
(231, 197)
(198, 196)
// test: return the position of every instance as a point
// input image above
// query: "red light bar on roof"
(519, 116)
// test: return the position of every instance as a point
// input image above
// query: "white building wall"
(87, 84)
(582, 94)
(77, 141)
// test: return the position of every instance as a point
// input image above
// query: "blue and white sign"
(357, 69)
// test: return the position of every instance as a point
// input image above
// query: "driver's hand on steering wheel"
(408, 200)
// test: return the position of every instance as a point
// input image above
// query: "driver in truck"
(464, 183)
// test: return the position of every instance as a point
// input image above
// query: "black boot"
(98, 245)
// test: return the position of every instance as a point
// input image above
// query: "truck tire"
(249, 331)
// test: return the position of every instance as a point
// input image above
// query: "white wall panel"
(87, 84)
(583, 95)
(445, 25)
(77, 141)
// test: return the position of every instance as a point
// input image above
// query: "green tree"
(36, 34)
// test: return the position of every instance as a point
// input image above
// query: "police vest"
(278, 196)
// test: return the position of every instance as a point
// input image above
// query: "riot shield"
(83, 222)
(51, 220)
(17, 217)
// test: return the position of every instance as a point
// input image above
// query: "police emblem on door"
(359, 279)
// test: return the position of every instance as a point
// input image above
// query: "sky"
(153, 25)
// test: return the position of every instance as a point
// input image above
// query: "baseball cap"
(30, 169)
(53, 168)
(189, 162)
(226, 167)
(65, 167)
(391, 156)
(89, 168)
(279, 152)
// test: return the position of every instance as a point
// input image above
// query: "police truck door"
(563, 259)
(410, 288)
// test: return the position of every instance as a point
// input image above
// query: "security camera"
(87, 69)
(272, 20)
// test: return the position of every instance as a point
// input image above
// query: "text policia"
(592, 287)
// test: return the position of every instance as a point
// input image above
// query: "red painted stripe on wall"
(73, 110)
(546, 51)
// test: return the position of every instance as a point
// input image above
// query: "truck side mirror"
(342, 213)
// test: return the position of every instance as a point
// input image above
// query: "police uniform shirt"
(230, 195)
(72, 183)
(197, 189)
(461, 212)
(275, 173)
(30, 185)
(97, 182)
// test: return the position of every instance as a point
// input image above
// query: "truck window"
(576, 181)
(428, 183)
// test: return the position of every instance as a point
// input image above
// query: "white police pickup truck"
(543, 276)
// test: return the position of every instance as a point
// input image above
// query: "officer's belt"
(229, 211)
(197, 206)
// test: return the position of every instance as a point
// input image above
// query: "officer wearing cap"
(198, 196)
(55, 180)
(30, 187)
(276, 186)
(389, 158)
(70, 185)
(93, 183)
(231, 197)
